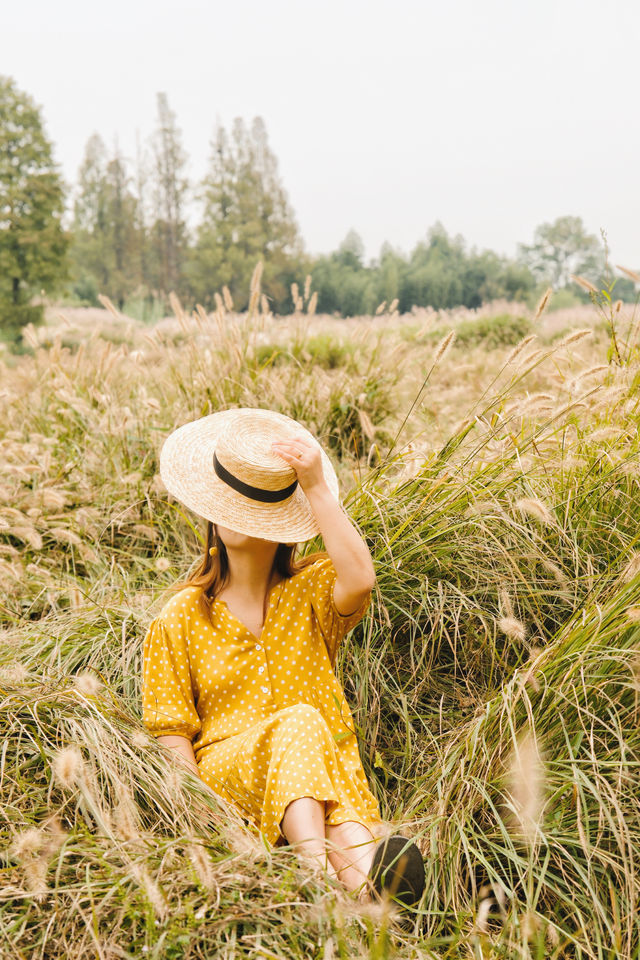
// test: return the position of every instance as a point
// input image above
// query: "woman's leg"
(351, 851)
(303, 824)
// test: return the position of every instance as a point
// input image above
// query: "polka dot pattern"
(267, 716)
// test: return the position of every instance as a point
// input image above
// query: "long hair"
(213, 572)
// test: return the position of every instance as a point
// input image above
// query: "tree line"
(122, 230)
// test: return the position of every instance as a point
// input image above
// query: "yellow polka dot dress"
(267, 716)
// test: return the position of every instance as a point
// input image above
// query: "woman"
(238, 667)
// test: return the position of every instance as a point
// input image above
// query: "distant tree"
(106, 234)
(246, 217)
(351, 251)
(170, 186)
(33, 244)
(562, 248)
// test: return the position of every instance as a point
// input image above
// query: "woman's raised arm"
(355, 574)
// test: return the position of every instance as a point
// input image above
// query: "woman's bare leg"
(303, 824)
(351, 852)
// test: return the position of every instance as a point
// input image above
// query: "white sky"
(385, 115)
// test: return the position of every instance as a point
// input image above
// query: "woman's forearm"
(184, 747)
(355, 573)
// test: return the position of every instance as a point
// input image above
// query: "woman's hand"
(305, 458)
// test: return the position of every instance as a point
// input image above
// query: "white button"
(260, 669)
(258, 647)
(265, 689)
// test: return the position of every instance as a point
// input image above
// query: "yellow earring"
(213, 551)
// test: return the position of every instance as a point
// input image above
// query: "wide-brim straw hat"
(222, 468)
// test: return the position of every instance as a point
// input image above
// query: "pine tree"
(246, 217)
(33, 244)
(168, 232)
(106, 235)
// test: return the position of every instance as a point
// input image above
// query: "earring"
(213, 551)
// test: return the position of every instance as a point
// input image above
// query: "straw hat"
(222, 467)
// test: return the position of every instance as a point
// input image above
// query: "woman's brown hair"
(213, 572)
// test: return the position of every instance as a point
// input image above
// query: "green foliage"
(323, 350)
(246, 218)
(107, 242)
(439, 273)
(501, 331)
(33, 244)
(562, 248)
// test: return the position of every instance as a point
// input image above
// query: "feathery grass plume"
(307, 286)
(15, 674)
(264, 305)
(631, 568)
(295, 296)
(533, 507)
(519, 347)
(30, 336)
(380, 308)
(32, 849)
(584, 283)
(444, 346)
(505, 602)
(629, 273)
(313, 304)
(482, 917)
(590, 372)
(554, 570)
(617, 307)
(393, 305)
(87, 684)
(176, 306)
(202, 865)
(108, 305)
(226, 296)
(367, 427)
(219, 302)
(574, 337)
(125, 816)
(152, 891)
(68, 767)
(253, 303)
(543, 303)
(514, 629)
(526, 777)
(256, 277)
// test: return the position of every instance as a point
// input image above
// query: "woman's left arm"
(355, 574)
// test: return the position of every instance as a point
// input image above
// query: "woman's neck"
(251, 572)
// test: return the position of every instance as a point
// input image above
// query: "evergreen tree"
(170, 185)
(33, 244)
(106, 235)
(246, 218)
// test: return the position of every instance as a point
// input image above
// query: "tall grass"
(494, 682)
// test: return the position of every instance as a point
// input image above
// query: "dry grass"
(494, 683)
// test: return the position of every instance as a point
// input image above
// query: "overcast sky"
(491, 116)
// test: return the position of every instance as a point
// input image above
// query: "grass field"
(490, 459)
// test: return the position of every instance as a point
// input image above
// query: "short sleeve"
(333, 625)
(168, 706)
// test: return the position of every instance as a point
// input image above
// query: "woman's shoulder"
(182, 605)
(312, 572)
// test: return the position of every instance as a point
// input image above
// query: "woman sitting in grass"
(238, 667)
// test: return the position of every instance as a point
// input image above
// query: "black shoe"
(398, 869)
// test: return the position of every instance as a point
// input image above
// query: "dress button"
(258, 646)
(265, 689)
